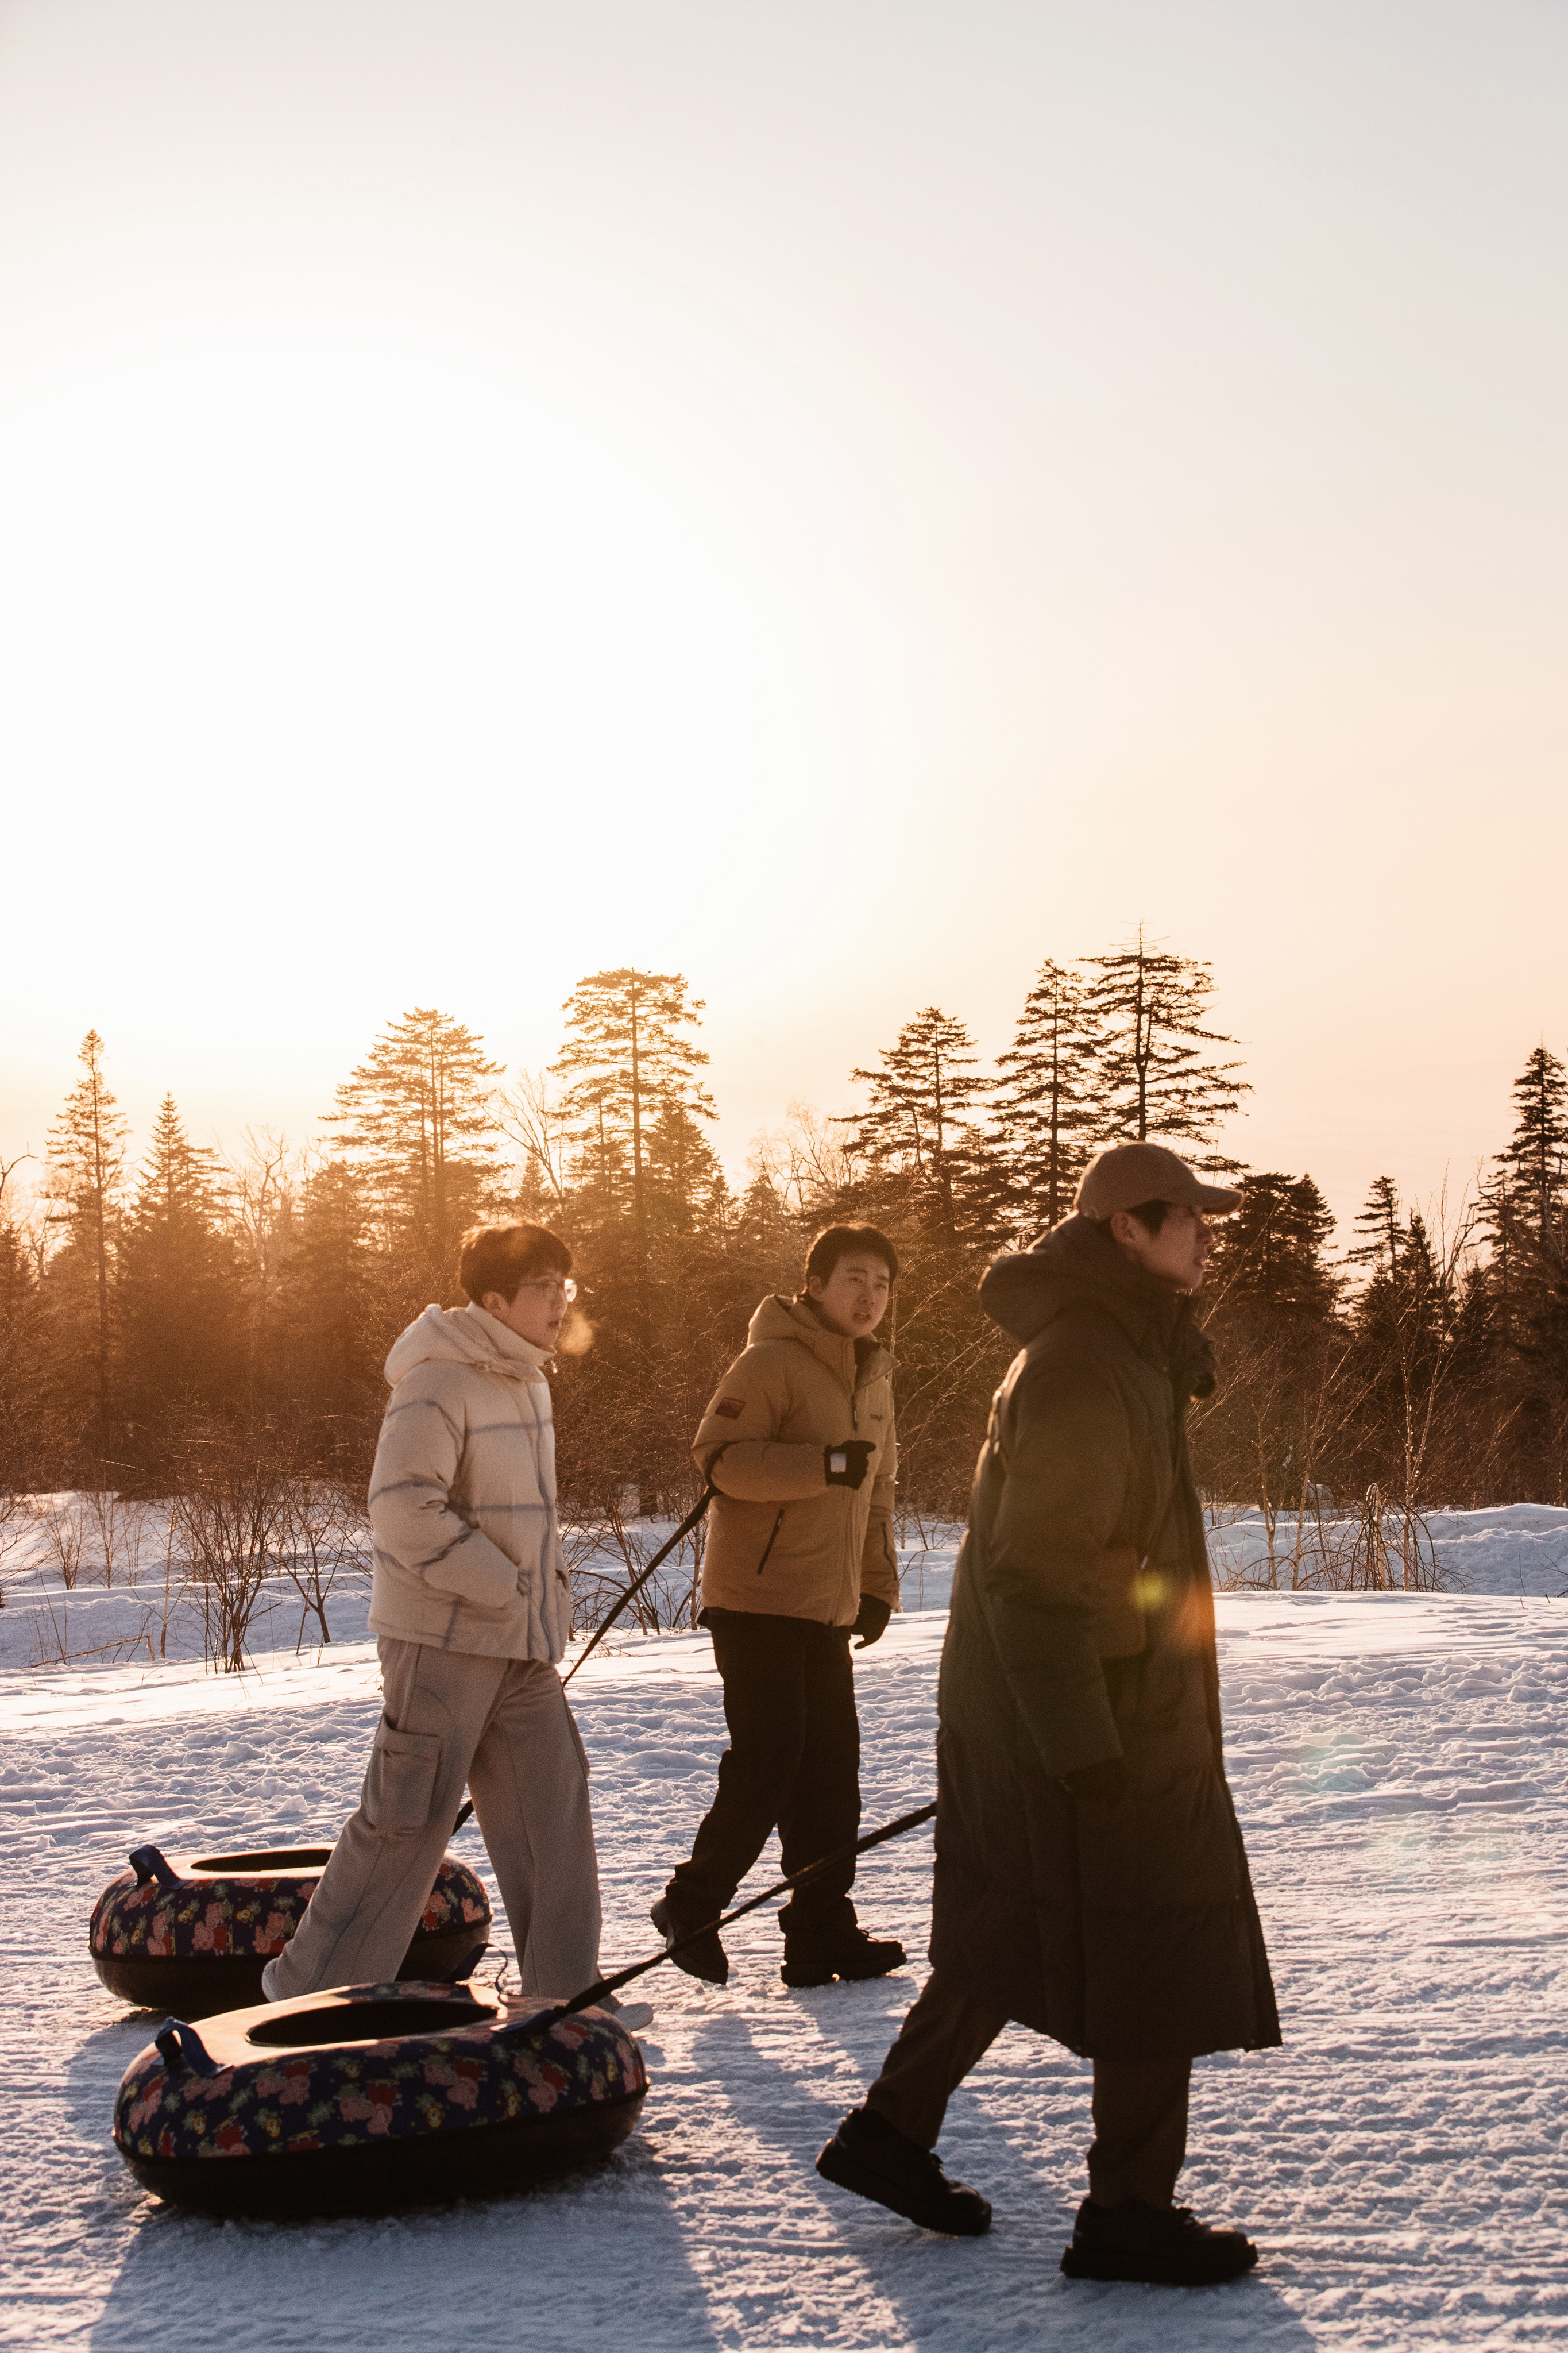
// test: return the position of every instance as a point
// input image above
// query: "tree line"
(157, 1314)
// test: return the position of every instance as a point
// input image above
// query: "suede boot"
(1165, 2246)
(868, 2155)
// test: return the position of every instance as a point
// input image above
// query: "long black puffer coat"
(1129, 1931)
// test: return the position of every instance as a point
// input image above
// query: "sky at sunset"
(840, 500)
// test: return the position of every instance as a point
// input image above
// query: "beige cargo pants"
(502, 1728)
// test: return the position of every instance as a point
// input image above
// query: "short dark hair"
(835, 1242)
(1150, 1216)
(498, 1257)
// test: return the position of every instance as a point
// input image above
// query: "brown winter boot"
(1165, 2246)
(868, 2155)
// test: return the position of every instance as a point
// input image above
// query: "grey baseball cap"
(1126, 1174)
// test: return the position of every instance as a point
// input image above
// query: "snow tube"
(193, 1934)
(372, 2097)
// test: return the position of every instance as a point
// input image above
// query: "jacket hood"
(1074, 1266)
(791, 1319)
(465, 1335)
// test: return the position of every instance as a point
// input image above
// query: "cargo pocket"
(400, 1787)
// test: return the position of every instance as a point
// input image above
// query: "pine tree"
(178, 1304)
(26, 1417)
(1540, 1387)
(1150, 1009)
(1407, 1337)
(179, 1179)
(1413, 1297)
(417, 1118)
(1271, 1256)
(87, 1161)
(1379, 1225)
(1536, 1160)
(686, 1184)
(920, 1122)
(625, 1062)
(336, 1320)
(765, 1228)
(1049, 1099)
(644, 1211)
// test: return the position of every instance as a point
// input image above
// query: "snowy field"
(1397, 1760)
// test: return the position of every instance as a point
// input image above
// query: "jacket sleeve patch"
(731, 1408)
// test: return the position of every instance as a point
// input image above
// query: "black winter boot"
(703, 1957)
(1166, 2246)
(817, 1960)
(868, 2155)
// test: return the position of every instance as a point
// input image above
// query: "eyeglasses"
(553, 1287)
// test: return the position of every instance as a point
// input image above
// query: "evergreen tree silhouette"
(1536, 1160)
(1272, 1255)
(416, 1119)
(624, 1061)
(920, 1122)
(643, 1181)
(1150, 1009)
(338, 1316)
(1378, 1223)
(178, 1309)
(87, 1163)
(1048, 1099)
(27, 1403)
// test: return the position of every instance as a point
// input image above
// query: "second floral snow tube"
(372, 2097)
(192, 1933)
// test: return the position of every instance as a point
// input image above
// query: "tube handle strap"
(182, 2049)
(151, 1862)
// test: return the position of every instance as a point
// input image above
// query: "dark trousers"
(1139, 2111)
(792, 1762)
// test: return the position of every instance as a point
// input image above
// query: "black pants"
(1140, 2110)
(794, 1761)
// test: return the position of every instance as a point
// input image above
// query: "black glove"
(1105, 1784)
(846, 1465)
(872, 1623)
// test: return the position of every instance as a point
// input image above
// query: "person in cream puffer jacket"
(470, 1604)
(462, 1497)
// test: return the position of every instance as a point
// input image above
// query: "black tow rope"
(596, 1992)
(686, 1524)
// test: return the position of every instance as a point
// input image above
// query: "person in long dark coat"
(1091, 1882)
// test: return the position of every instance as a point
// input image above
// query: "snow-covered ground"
(1397, 1762)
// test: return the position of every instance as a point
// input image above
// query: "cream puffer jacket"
(780, 1539)
(462, 1496)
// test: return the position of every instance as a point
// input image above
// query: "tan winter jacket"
(780, 1539)
(462, 1496)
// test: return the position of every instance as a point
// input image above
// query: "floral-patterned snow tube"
(193, 1934)
(372, 2097)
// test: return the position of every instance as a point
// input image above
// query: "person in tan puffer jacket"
(470, 1601)
(782, 1540)
(798, 1443)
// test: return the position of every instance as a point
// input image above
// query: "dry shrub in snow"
(229, 1517)
(605, 1553)
(65, 1539)
(325, 1531)
(245, 1516)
